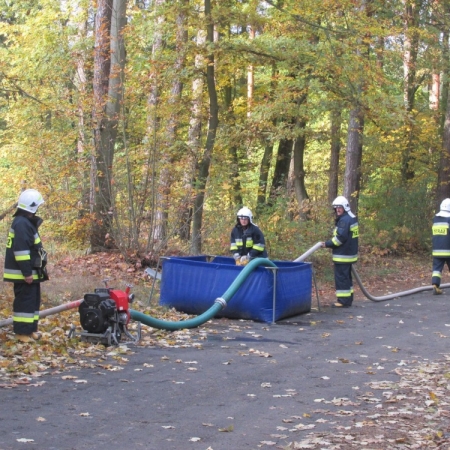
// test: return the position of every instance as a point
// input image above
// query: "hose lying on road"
(391, 296)
(384, 298)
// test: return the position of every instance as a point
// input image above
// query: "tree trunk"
(115, 95)
(333, 179)
(443, 190)
(170, 155)
(379, 50)
(435, 91)
(250, 76)
(81, 81)
(411, 47)
(100, 197)
(299, 173)
(158, 228)
(281, 171)
(445, 77)
(204, 165)
(109, 62)
(264, 176)
(267, 156)
(443, 182)
(194, 141)
(235, 191)
(353, 157)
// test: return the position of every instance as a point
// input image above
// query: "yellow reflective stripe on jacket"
(336, 241)
(9, 274)
(259, 247)
(37, 239)
(236, 245)
(345, 258)
(441, 253)
(22, 256)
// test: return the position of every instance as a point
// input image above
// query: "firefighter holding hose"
(344, 245)
(25, 262)
(247, 240)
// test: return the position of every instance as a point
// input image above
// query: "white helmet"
(445, 205)
(341, 201)
(245, 212)
(30, 200)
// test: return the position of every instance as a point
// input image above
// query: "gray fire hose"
(48, 312)
(309, 252)
(391, 296)
(363, 289)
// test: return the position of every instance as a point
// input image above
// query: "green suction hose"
(218, 305)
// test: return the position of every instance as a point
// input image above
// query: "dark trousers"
(27, 301)
(344, 283)
(438, 265)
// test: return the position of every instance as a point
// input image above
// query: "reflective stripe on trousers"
(344, 283)
(27, 301)
(438, 266)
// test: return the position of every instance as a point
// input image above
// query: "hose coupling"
(222, 302)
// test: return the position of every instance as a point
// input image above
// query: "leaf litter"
(411, 413)
(55, 353)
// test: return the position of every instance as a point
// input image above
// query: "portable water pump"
(105, 315)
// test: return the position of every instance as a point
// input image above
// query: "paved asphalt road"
(235, 386)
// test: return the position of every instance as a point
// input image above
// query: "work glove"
(244, 260)
(236, 256)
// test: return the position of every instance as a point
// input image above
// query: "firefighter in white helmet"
(25, 262)
(247, 240)
(441, 244)
(344, 244)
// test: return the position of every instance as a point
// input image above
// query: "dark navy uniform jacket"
(441, 237)
(345, 239)
(249, 241)
(23, 249)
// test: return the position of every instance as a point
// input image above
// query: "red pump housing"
(121, 299)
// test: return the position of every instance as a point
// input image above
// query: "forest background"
(147, 124)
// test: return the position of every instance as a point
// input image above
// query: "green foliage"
(396, 220)
(319, 51)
